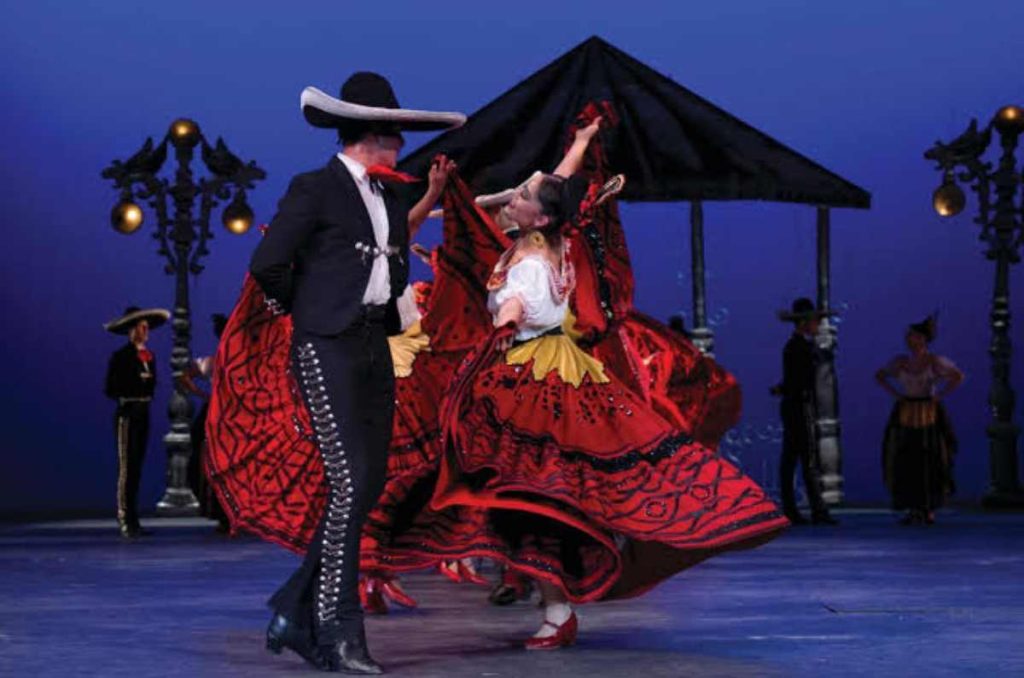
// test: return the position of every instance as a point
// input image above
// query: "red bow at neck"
(384, 173)
(144, 355)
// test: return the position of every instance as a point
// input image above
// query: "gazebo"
(672, 145)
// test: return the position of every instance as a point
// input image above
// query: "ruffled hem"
(617, 485)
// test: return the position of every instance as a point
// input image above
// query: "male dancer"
(336, 257)
(800, 360)
(131, 380)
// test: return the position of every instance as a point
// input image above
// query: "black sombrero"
(801, 310)
(367, 101)
(133, 314)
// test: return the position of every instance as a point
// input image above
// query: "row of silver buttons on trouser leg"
(339, 504)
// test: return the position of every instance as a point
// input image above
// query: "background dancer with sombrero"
(336, 257)
(800, 360)
(131, 380)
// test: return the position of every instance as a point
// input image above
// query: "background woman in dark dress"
(919, 444)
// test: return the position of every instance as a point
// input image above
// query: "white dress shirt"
(378, 290)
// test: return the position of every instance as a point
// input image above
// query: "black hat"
(367, 102)
(133, 314)
(801, 310)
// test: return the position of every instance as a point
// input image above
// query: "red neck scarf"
(384, 173)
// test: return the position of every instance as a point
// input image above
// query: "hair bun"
(574, 189)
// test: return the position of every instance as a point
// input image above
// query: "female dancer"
(426, 355)
(919, 444)
(585, 488)
(685, 387)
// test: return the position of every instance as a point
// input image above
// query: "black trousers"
(348, 384)
(799, 444)
(131, 431)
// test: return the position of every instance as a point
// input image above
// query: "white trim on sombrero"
(492, 199)
(135, 316)
(321, 101)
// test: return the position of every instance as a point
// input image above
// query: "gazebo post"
(701, 335)
(826, 384)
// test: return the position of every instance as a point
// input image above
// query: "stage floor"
(866, 598)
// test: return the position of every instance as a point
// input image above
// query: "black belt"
(372, 313)
(553, 332)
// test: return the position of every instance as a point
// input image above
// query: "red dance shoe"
(564, 636)
(452, 573)
(393, 591)
(370, 596)
(467, 573)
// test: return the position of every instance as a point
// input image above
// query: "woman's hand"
(507, 335)
(438, 175)
(570, 164)
(587, 133)
(509, 316)
(440, 168)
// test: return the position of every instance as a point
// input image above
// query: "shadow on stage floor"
(866, 598)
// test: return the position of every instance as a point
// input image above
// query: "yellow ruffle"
(569, 326)
(405, 347)
(557, 352)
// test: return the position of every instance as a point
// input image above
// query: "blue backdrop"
(862, 88)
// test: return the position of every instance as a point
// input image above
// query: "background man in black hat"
(131, 380)
(336, 256)
(800, 360)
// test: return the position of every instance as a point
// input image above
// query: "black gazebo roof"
(670, 143)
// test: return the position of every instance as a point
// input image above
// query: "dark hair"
(560, 199)
(550, 195)
(927, 328)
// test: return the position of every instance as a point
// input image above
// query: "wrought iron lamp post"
(183, 239)
(1002, 230)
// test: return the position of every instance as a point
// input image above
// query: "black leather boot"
(350, 655)
(284, 634)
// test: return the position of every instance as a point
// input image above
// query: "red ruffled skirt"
(687, 388)
(402, 514)
(586, 486)
(262, 458)
(266, 470)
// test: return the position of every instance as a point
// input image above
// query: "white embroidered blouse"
(540, 289)
(921, 382)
